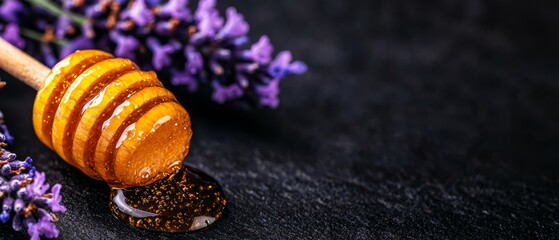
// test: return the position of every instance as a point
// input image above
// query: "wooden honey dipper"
(104, 116)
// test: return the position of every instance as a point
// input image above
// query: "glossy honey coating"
(111, 120)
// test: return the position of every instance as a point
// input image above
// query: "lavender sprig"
(26, 200)
(199, 49)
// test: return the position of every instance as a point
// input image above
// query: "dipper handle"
(22, 66)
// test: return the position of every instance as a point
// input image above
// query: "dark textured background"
(417, 119)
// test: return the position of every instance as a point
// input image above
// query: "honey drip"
(186, 201)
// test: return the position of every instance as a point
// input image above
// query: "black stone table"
(417, 119)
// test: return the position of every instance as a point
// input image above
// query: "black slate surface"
(423, 119)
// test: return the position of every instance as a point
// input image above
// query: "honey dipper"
(104, 116)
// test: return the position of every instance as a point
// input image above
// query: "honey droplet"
(186, 201)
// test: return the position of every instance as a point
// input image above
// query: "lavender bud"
(54, 201)
(161, 53)
(11, 35)
(125, 45)
(14, 184)
(235, 25)
(7, 204)
(184, 78)
(4, 216)
(10, 10)
(5, 170)
(23, 193)
(31, 173)
(5, 188)
(48, 55)
(175, 9)
(19, 177)
(15, 165)
(224, 93)
(268, 94)
(8, 156)
(139, 13)
(16, 223)
(261, 51)
(282, 65)
(94, 11)
(194, 60)
(19, 205)
(62, 26)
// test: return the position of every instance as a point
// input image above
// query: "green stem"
(37, 36)
(57, 10)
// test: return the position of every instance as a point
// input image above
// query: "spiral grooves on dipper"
(111, 120)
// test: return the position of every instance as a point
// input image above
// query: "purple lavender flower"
(206, 7)
(10, 9)
(176, 9)
(235, 25)
(44, 227)
(93, 11)
(11, 34)
(17, 223)
(62, 26)
(38, 186)
(125, 45)
(87, 29)
(208, 20)
(19, 205)
(261, 51)
(161, 52)
(154, 33)
(48, 56)
(184, 78)
(194, 60)
(26, 197)
(7, 206)
(206, 27)
(282, 65)
(139, 13)
(224, 93)
(54, 202)
(269, 93)
(81, 42)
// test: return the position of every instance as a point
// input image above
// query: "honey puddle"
(186, 201)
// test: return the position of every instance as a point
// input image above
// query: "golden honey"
(111, 120)
(186, 201)
(117, 123)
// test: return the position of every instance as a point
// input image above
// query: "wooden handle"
(22, 66)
